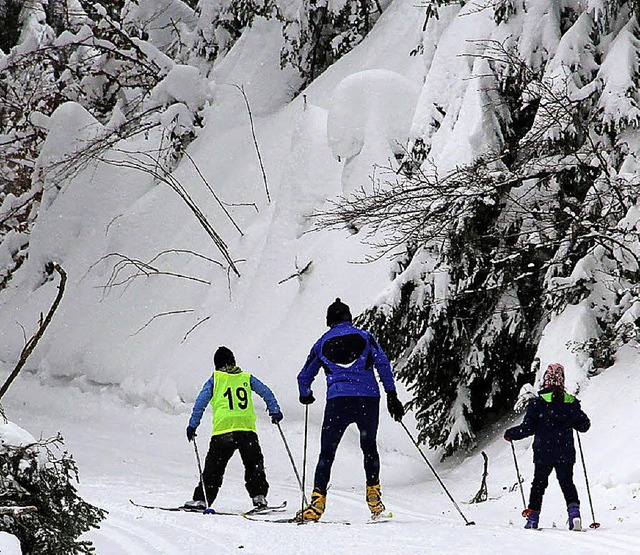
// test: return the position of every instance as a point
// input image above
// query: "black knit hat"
(338, 312)
(223, 357)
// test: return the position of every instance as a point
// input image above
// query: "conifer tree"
(324, 31)
(44, 511)
(533, 222)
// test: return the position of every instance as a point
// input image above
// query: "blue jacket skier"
(551, 418)
(348, 356)
(229, 392)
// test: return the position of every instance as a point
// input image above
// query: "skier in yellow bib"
(229, 392)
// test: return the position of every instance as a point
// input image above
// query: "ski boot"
(374, 500)
(575, 522)
(313, 510)
(259, 502)
(194, 505)
(533, 517)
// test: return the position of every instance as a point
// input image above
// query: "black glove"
(276, 417)
(191, 433)
(394, 406)
(307, 399)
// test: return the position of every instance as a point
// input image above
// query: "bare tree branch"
(255, 140)
(202, 320)
(160, 315)
(31, 344)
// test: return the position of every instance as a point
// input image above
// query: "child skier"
(551, 418)
(348, 356)
(228, 392)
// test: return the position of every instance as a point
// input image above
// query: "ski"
(180, 509)
(386, 517)
(293, 520)
(255, 511)
(266, 510)
(557, 529)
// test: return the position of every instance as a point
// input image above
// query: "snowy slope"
(119, 383)
(141, 453)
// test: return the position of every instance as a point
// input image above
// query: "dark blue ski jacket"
(348, 356)
(552, 422)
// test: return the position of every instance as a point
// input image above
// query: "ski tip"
(382, 517)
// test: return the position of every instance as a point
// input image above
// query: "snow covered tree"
(325, 30)
(220, 23)
(89, 58)
(520, 198)
(39, 503)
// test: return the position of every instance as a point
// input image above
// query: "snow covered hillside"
(151, 295)
(140, 453)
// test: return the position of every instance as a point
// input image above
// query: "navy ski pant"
(339, 413)
(221, 449)
(564, 473)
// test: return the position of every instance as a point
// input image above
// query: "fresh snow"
(123, 360)
(141, 453)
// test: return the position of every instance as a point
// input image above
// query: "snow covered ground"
(141, 453)
(119, 385)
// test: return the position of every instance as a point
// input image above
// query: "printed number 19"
(241, 395)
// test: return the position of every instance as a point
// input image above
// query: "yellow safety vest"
(232, 403)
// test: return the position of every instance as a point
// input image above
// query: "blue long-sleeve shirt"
(205, 395)
(348, 356)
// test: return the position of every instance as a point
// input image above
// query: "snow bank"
(255, 67)
(576, 324)
(9, 544)
(182, 84)
(13, 435)
(609, 445)
(370, 118)
(151, 336)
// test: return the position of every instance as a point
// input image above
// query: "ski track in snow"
(139, 453)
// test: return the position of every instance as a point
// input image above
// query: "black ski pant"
(221, 449)
(339, 413)
(564, 473)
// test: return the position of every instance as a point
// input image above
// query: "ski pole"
(304, 453)
(207, 511)
(293, 464)
(594, 524)
(467, 522)
(515, 461)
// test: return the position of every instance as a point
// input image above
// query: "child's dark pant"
(339, 413)
(564, 473)
(221, 449)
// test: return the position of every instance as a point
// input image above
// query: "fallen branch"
(255, 140)
(160, 315)
(194, 327)
(31, 344)
(482, 494)
(298, 274)
(213, 193)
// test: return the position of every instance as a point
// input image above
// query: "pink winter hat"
(553, 377)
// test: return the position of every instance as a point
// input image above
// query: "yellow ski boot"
(314, 509)
(374, 500)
